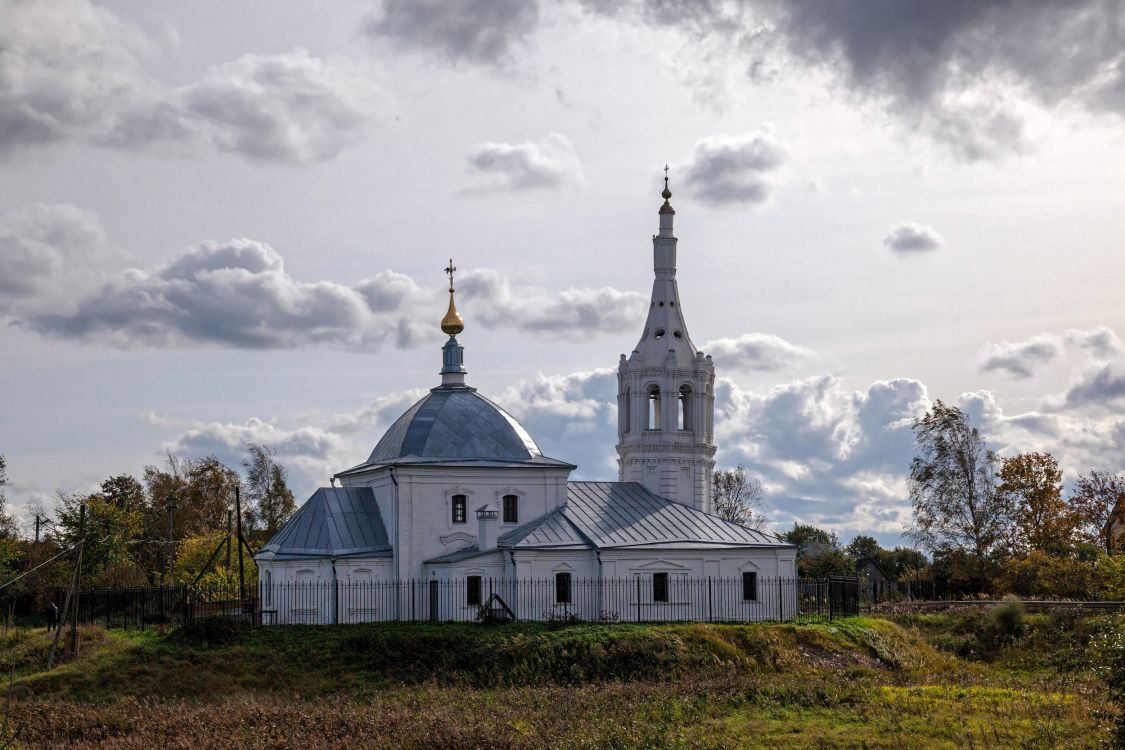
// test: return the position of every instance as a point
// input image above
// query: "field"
(954, 680)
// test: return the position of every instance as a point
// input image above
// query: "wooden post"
(230, 531)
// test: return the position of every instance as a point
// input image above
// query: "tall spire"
(452, 323)
(666, 211)
(452, 354)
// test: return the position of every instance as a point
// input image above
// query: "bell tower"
(666, 392)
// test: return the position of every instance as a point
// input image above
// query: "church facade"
(457, 491)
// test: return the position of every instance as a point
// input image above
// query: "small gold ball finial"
(452, 324)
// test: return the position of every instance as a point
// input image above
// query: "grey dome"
(455, 424)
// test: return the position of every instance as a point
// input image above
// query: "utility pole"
(71, 594)
(230, 530)
(171, 549)
(238, 520)
(35, 561)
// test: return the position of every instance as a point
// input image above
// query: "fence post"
(185, 604)
(710, 608)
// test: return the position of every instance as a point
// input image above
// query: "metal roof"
(553, 529)
(334, 522)
(455, 423)
(625, 514)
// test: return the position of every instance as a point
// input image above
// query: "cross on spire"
(449, 272)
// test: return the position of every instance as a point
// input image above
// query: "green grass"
(862, 682)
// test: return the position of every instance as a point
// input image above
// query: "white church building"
(457, 498)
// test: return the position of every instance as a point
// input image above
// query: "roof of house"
(609, 515)
(334, 522)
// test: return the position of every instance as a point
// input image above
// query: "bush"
(1007, 619)
(1109, 648)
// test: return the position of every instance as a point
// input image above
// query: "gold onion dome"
(452, 324)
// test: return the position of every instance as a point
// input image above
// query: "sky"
(227, 222)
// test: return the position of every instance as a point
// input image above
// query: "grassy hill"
(943, 681)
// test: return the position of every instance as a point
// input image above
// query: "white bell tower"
(666, 392)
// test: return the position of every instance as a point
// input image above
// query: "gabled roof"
(625, 514)
(334, 522)
(605, 515)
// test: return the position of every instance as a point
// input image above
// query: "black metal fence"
(650, 598)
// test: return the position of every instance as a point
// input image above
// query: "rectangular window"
(511, 509)
(460, 514)
(750, 587)
(562, 588)
(472, 591)
(660, 587)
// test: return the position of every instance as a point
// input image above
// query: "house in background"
(457, 491)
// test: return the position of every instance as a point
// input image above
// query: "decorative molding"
(458, 536)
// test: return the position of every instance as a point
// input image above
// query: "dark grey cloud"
(734, 170)
(954, 68)
(474, 31)
(548, 164)
(1021, 359)
(909, 238)
(1102, 386)
(71, 72)
(762, 352)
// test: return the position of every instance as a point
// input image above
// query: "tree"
(110, 529)
(863, 547)
(1031, 486)
(819, 553)
(1095, 496)
(7, 521)
(269, 502)
(738, 497)
(952, 488)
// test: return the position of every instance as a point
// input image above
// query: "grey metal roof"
(455, 424)
(553, 529)
(335, 521)
(624, 514)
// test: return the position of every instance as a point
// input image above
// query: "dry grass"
(859, 683)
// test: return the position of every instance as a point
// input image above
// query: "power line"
(40, 565)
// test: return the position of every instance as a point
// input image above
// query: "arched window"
(511, 509)
(627, 411)
(685, 408)
(460, 512)
(562, 588)
(652, 421)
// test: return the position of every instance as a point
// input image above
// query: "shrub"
(1109, 650)
(1007, 619)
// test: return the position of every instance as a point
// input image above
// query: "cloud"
(289, 107)
(734, 169)
(481, 32)
(50, 247)
(761, 352)
(71, 72)
(238, 294)
(1099, 342)
(1021, 359)
(548, 164)
(313, 452)
(952, 69)
(1102, 386)
(572, 313)
(909, 238)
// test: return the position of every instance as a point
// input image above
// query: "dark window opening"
(660, 587)
(684, 416)
(750, 587)
(562, 588)
(472, 591)
(460, 509)
(511, 509)
(652, 416)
